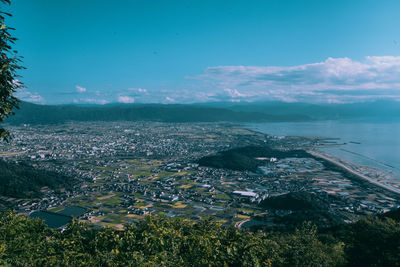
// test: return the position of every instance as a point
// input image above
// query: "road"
(353, 172)
(240, 223)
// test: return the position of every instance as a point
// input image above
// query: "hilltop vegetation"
(303, 206)
(161, 241)
(158, 241)
(245, 158)
(296, 201)
(24, 181)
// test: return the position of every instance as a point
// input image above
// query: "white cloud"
(332, 80)
(234, 93)
(28, 96)
(80, 89)
(139, 90)
(126, 99)
(170, 99)
(95, 101)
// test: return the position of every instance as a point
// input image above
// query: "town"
(129, 169)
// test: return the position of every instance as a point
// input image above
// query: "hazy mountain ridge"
(204, 112)
(376, 109)
(41, 114)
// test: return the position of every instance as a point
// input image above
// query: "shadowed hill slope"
(24, 181)
(245, 158)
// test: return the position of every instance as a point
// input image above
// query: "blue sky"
(196, 51)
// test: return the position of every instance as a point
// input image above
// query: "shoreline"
(332, 160)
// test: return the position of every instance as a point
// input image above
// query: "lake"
(52, 220)
(372, 143)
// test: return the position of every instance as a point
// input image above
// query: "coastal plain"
(127, 170)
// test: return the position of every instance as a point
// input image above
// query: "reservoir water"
(52, 220)
(371, 143)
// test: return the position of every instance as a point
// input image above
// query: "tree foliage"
(24, 181)
(373, 241)
(160, 241)
(9, 65)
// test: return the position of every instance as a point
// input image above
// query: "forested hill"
(22, 181)
(42, 114)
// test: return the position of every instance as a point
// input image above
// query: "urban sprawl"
(129, 169)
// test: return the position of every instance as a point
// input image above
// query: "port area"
(381, 179)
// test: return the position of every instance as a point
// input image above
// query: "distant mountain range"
(41, 114)
(205, 112)
(378, 109)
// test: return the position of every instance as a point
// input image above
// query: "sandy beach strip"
(341, 165)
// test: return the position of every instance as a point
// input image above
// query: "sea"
(368, 142)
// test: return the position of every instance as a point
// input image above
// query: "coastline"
(331, 159)
(378, 142)
(340, 165)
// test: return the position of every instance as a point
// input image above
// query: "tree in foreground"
(159, 241)
(9, 65)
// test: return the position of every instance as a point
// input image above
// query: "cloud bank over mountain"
(334, 80)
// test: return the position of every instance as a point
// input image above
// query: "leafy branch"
(9, 65)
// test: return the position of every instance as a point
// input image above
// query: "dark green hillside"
(232, 160)
(24, 181)
(43, 114)
(304, 206)
(296, 201)
(244, 158)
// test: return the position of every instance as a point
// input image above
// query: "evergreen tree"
(9, 65)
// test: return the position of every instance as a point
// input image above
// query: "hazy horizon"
(224, 103)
